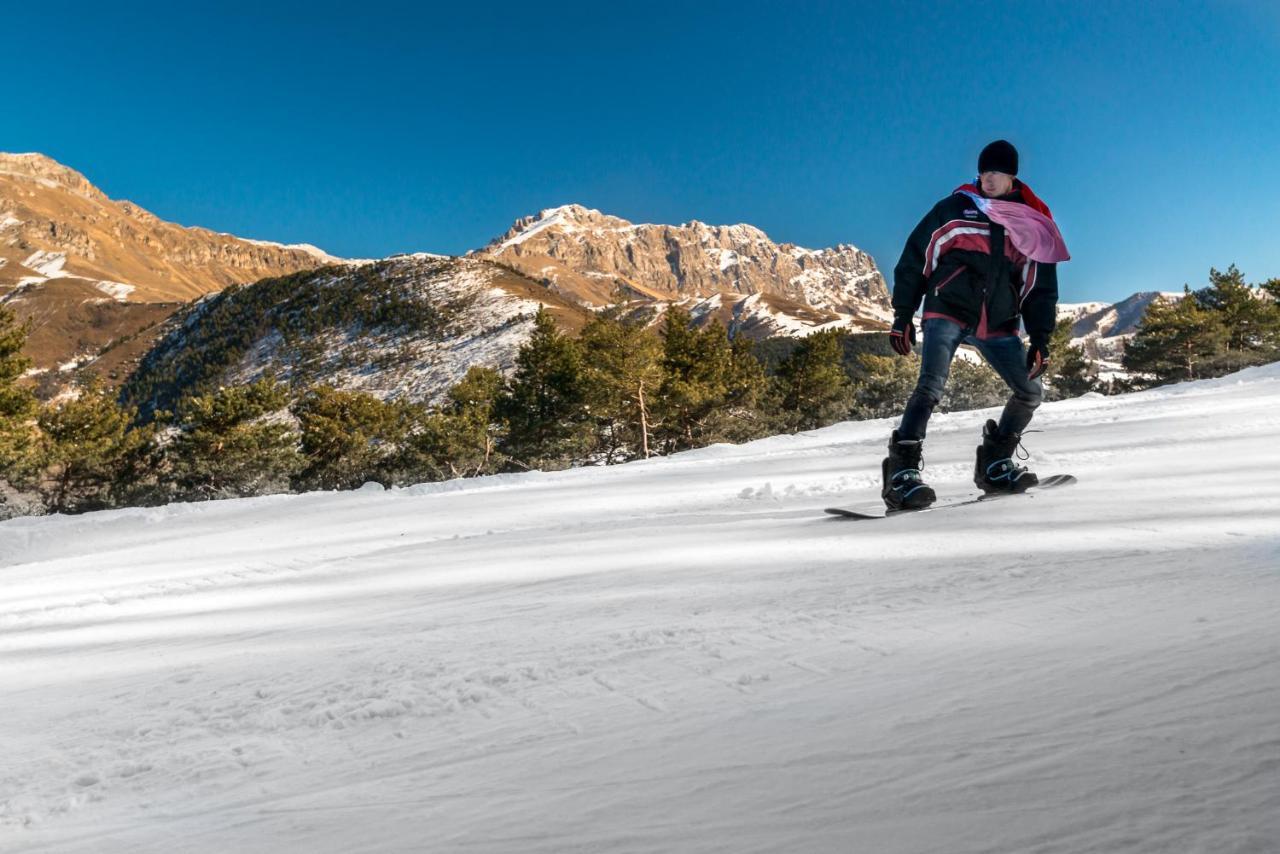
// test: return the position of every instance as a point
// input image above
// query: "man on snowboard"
(983, 259)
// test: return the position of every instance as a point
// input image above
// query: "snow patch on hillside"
(314, 251)
(118, 291)
(47, 264)
(404, 364)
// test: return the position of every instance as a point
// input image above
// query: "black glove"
(903, 334)
(1037, 358)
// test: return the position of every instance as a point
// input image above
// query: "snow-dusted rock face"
(599, 259)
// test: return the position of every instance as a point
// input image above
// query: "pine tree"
(459, 440)
(815, 390)
(882, 384)
(17, 402)
(347, 437)
(544, 408)
(234, 442)
(970, 386)
(90, 452)
(1176, 340)
(472, 406)
(1251, 320)
(693, 380)
(747, 389)
(1070, 372)
(622, 373)
(710, 386)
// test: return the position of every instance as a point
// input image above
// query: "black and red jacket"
(965, 267)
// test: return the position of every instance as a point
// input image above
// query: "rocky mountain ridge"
(92, 274)
(54, 223)
(598, 259)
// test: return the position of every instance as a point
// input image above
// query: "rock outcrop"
(599, 259)
(90, 272)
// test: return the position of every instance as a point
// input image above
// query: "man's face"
(995, 183)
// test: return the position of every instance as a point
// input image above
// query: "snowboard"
(1051, 482)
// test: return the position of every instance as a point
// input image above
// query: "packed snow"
(682, 654)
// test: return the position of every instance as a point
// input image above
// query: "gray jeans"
(1005, 354)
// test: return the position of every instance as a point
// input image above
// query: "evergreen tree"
(622, 373)
(693, 380)
(90, 452)
(709, 386)
(815, 390)
(970, 386)
(746, 391)
(459, 440)
(234, 442)
(347, 438)
(1070, 372)
(1176, 340)
(472, 406)
(544, 405)
(1250, 320)
(17, 402)
(882, 385)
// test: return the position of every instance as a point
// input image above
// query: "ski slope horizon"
(678, 654)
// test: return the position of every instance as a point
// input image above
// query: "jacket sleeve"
(1040, 308)
(909, 280)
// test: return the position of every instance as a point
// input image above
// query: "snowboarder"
(981, 260)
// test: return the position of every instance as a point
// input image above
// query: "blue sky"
(369, 129)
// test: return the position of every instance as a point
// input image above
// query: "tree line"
(1209, 332)
(618, 391)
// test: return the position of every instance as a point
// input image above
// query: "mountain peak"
(597, 259)
(49, 173)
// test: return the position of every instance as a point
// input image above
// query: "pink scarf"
(1033, 232)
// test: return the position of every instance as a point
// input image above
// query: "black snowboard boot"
(903, 487)
(996, 469)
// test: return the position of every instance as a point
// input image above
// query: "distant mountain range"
(1102, 329)
(733, 273)
(109, 286)
(93, 274)
(102, 281)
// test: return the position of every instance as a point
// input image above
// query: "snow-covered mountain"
(679, 654)
(1101, 329)
(99, 277)
(407, 327)
(758, 287)
(565, 259)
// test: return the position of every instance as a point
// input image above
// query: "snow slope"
(676, 655)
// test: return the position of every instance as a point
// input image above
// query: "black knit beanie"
(999, 156)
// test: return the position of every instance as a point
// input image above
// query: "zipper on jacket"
(948, 279)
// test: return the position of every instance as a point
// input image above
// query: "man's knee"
(1029, 397)
(929, 389)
